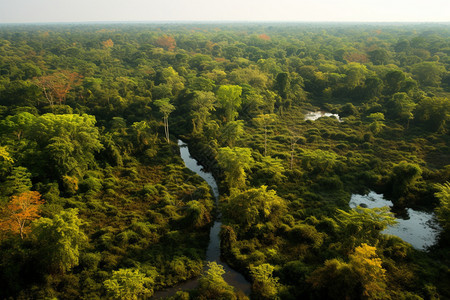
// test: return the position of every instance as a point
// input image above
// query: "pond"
(231, 276)
(420, 228)
(314, 115)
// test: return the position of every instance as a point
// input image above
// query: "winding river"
(231, 276)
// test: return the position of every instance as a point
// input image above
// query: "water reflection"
(419, 228)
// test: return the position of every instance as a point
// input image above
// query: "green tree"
(234, 162)
(17, 124)
(377, 122)
(403, 179)
(212, 285)
(18, 181)
(231, 131)
(60, 239)
(429, 73)
(255, 206)
(402, 107)
(229, 98)
(202, 105)
(363, 225)
(363, 277)
(69, 141)
(166, 108)
(443, 210)
(264, 284)
(265, 120)
(334, 280)
(129, 284)
(434, 112)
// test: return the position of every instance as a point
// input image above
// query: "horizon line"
(220, 22)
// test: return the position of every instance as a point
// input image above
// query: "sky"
(38, 11)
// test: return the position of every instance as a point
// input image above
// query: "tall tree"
(166, 108)
(265, 120)
(202, 105)
(229, 97)
(234, 162)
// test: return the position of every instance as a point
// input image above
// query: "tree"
(319, 161)
(334, 280)
(20, 212)
(231, 131)
(18, 181)
(265, 120)
(212, 285)
(166, 108)
(5, 156)
(129, 284)
(379, 56)
(402, 107)
(404, 177)
(60, 240)
(170, 83)
(255, 206)
(377, 122)
(363, 225)
(434, 112)
(229, 97)
(443, 210)
(356, 74)
(395, 80)
(362, 277)
(6, 161)
(429, 73)
(202, 105)
(56, 86)
(367, 265)
(166, 42)
(264, 284)
(18, 124)
(68, 142)
(234, 162)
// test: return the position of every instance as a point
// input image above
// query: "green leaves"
(443, 210)
(234, 162)
(229, 97)
(60, 240)
(254, 206)
(128, 284)
(264, 284)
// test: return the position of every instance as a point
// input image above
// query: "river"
(232, 277)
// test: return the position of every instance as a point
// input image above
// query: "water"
(314, 115)
(420, 229)
(232, 277)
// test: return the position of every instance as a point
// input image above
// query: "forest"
(96, 202)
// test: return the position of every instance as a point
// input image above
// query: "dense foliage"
(96, 202)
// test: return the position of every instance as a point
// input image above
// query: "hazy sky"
(19, 11)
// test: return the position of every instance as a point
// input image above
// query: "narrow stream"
(231, 276)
